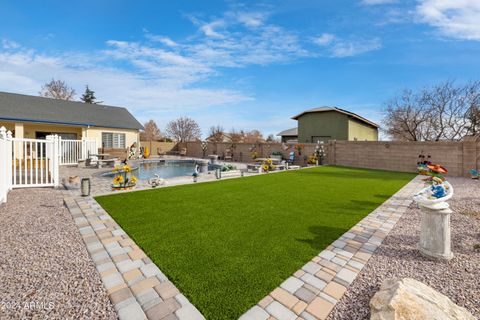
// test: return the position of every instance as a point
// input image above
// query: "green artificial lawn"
(227, 244)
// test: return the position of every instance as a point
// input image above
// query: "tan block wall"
(457, 156)
(242, 151)
(158, 147)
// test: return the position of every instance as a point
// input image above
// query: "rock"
(409, 299)
(74, 180)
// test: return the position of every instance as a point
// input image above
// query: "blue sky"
(248, 65)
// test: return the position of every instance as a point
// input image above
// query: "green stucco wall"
(322, 126)
(361, 132)
(332, 125)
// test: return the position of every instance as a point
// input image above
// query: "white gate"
(73, 150)
(35, 162)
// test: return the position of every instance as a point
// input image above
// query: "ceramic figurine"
(438, 189)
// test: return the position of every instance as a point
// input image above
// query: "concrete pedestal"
(435, 232)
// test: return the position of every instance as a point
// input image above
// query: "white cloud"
(340, 48)
(345, 48)
(9, 44)
(324, 39)
(458, 19)
(377, 2)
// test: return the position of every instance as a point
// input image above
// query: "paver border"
(139, 290)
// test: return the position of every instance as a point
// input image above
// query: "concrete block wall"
(457, 156)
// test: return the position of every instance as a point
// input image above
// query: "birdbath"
(435, 225)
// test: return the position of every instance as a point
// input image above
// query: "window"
(113, 140)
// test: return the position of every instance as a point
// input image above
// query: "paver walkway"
(139, 290)
(135, 285)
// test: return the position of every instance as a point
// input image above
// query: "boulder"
(409, 299)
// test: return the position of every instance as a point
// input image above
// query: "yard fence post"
(56, 159)
(3, 163)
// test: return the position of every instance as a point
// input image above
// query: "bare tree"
(183, 129)
(443, 112)
(216, 134)
(57, 89)
(253, 136)
(151, 132)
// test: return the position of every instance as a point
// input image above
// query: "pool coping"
(139, 290)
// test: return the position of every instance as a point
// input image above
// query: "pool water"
(165, 169)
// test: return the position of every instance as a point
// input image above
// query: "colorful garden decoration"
(438, 188)
(299, 147)
(267, 166)
(195, 173)
(313, 159)
(436, 170)
(124, 179)
(146, 152)
(474, 174)
(423, 163)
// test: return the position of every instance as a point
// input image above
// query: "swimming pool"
(165, 169)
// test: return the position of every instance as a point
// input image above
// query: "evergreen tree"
(89, 96)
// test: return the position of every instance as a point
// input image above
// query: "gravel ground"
(45, 269)
(459, 279)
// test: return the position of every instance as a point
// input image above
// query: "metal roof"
(24, 108)
(325, 109)
(289, 132)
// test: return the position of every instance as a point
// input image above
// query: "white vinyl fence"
(5, 163)
(73, 150)
(35, 162)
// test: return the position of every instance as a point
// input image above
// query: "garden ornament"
(156, 181)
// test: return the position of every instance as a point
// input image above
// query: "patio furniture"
(183, 152)
(109, 162)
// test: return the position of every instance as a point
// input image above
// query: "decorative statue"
(157, 181)
(195, 173)
(438, 188)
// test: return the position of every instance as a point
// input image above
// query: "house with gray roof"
(36, 117)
